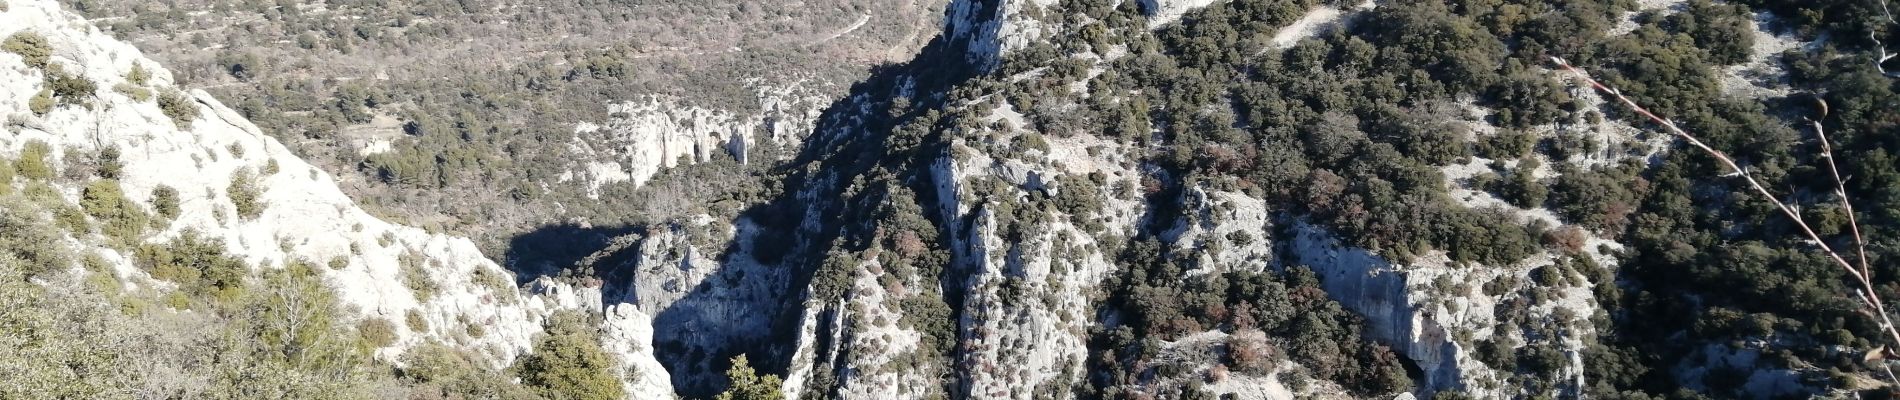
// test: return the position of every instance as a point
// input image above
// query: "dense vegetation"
(479, 101)
(200, 323)
(1698, 244)
(1350, 130)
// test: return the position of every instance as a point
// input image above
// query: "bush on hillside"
(41, 103)
(568, 363)
(70, 88)
(437, 371)
(119, 218)
(106, 164)
(747, 384)
(197, 264)
(181, 108)
(136, 93)
(32, 163)
(32, 47)
(27, 236)
(165, 201)
(377, 332)
(245, 194)
(138, 75)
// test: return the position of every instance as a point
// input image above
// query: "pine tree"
(568, 363)
(748, 385)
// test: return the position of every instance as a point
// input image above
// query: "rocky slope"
(926, 236)
(651, 134)
(380, 269)
(1021, 278)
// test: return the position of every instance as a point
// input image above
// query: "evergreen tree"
(568, 363)
(748, 385)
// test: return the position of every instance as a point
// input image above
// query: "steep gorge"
(1054, 199)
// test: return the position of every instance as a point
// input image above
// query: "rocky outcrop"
(474, 304)
(987, 29)
(647, 135)
(704, 292)
(1165, 11)
(1411, 307)
(1226, 231)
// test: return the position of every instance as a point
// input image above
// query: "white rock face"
(1227, 230)
(1026, 312)
(990, 28)
(306, 217)
(628, 335)
(1404, 307)
(698, 302)
(654, 133)
(872, 351)
(1165, 11)
(1320, 20)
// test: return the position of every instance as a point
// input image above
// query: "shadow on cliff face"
(550, 249)
(777, 277)
(750, 295)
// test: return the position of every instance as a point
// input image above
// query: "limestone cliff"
(373, 265)
(647, 135)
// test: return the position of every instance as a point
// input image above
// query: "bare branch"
(1880, 63)
(1840, 186)
(1861, 274)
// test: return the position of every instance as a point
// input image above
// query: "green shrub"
(414, 320)
(165, 201)
(377, 332)
(197, 264)
(133, 91)
(32, 47)
(245, 196)
(568, 363)
(1032, 141)
(6, 176)
(138, 75)
(41, 103)
(416, 278)
(70, 218)
(120, 218)
(434, 362)
(26, 235)
(181, 108)
(106, 164)
(339, 262)
(99, 275)
(69, 88)
(496, 282)
(32, 163)
(458, 374)
(748, 385)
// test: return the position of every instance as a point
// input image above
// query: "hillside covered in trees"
(1022, 199)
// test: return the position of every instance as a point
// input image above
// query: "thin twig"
(1840, 187)
(1861, 274)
